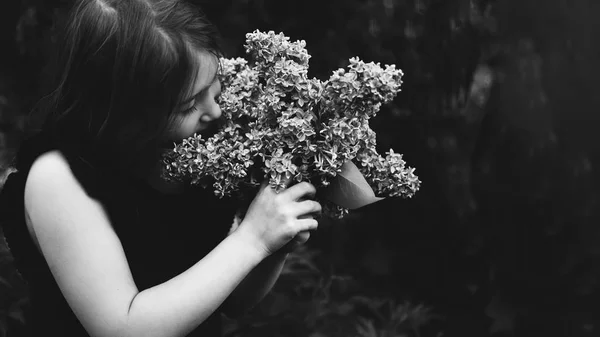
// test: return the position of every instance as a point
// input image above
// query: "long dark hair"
(122, 68)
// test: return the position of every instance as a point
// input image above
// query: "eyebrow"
(194, 96)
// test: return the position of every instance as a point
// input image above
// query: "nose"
(212, 114)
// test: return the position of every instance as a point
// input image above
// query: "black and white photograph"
(286, 168)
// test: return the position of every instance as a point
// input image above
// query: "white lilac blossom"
(282, 125)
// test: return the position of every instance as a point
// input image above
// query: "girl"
(107, 247)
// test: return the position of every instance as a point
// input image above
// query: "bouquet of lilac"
(281, 125)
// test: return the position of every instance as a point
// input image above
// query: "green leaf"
(349, 189)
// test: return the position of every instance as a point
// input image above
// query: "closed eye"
(190, 110)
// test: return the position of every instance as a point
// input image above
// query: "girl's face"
(200, 111)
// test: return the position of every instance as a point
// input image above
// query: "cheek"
(181, 128)
(187, 126)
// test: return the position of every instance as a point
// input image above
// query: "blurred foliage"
(309, 301)
(499, 116)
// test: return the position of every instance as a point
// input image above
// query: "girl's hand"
(296, 242)
(274, 219)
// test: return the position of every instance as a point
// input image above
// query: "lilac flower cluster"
(282, 125)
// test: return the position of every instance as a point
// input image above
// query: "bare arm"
(87, 260)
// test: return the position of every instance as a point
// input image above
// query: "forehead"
(208, 66)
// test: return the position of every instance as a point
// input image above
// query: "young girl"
(107, 247)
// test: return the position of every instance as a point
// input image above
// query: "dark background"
(499, 116)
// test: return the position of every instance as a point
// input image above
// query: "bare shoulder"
(50, 169)
(83, 252)
(51, 176)
(52, 190)
(51, 193)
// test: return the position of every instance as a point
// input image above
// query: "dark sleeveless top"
(162, 235)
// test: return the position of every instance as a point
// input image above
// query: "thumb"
(296, 242)
(302, 237)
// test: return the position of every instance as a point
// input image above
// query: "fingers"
(297, 241)
(302, 236)
(301, 190)
(309, 207)
(307, 225)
